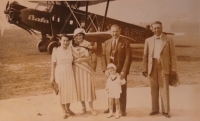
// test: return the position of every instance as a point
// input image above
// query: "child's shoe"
(110, 114)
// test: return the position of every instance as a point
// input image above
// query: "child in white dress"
(113, 87)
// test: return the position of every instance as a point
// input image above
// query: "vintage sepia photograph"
(95, 60)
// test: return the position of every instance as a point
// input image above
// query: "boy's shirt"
(114, 83)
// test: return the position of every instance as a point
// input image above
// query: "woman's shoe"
(71, 113)
(83, 111)
(94, 113)
(65, 115)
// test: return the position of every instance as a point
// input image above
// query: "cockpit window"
(42, 7)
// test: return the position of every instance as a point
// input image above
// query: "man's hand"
(145, 74)
(122, 75)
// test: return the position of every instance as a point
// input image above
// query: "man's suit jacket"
(122, 56)
(167, 54)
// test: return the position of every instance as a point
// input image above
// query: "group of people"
(71, 69)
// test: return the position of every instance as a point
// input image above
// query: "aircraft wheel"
(41, 46)
(51, 46)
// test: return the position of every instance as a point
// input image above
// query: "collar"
(158, 36)
(83, 43)
(116, 39)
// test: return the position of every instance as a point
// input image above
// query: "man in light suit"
(117, 51)
(159, 60)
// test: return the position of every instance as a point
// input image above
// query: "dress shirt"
(116, 41)
(157, 46)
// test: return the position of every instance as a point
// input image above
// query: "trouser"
(159, 81)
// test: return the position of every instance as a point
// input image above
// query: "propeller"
(4, 19)
(6, 10)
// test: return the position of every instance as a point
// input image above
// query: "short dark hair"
(65, 35)
(115, 25)
(156, 22)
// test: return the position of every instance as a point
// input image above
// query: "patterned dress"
(84, 74)
(64, 75)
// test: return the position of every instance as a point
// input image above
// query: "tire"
(51, 46)
(41, 46)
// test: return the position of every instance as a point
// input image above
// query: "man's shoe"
(166, 115)
(123, 113)
(153, 113)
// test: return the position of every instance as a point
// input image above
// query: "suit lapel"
(163, 42)
(109, 46)
(151, 44)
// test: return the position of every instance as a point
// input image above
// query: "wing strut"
(73, 14)
(104, 19)
(86, 14)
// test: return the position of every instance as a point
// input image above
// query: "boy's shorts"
(113, 95)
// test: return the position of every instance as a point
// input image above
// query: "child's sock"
(117, 114)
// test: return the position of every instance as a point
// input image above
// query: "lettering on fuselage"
(134, 34)
(42, 20)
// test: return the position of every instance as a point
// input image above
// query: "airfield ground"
(25, 72)
(26, 93)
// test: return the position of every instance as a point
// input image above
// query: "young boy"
(113, 86)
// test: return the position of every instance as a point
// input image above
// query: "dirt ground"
(24, 71)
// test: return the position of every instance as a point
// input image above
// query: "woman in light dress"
(62, 73)
(84, 74)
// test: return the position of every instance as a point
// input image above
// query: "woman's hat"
(111, 65)
(78, 31)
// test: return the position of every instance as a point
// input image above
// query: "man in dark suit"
(117, 51)
(159, 61)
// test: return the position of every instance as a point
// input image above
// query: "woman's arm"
(53, 67)
(83, 59)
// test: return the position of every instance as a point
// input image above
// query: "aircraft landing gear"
(42, 46)
(51, 46)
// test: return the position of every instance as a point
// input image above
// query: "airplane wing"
(101, 37)
(80, 4)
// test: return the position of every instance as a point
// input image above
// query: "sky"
(140, 11)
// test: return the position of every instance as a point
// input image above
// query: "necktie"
(114, 44)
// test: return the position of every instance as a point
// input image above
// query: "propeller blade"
(7, 5)
(2, 28)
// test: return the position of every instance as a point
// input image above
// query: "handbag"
(55, 87)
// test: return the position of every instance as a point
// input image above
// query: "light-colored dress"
(113, 86)
(64, 75)
(84, 74)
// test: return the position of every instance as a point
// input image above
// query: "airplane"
(63, 17)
